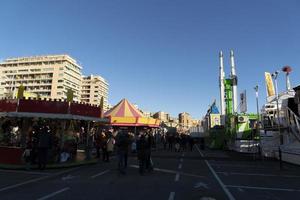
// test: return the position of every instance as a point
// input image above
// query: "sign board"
(243, 102)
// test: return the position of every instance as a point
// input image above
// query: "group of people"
(177, 141)
(141, 144)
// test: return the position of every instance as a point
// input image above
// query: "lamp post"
(258, 118)
(274, 76)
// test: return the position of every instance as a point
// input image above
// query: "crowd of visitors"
(47, 142)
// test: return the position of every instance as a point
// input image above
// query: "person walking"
(148, 147)
(104, 147)
(122, 142)
(110, 145)
(141, 153)
(44, 143)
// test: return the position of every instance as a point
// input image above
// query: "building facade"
(93, 88)
(185, 120)
(47, 76)
(162, 116)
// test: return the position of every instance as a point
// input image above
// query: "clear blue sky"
(160, 54)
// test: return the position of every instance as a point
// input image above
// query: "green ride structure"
(236, 131)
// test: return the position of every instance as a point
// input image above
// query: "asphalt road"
(200, 174)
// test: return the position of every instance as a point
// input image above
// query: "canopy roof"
(125, 114)
(123, 109)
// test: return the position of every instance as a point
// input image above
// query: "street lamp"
(274, 76)
(258, 118)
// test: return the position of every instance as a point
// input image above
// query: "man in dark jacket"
(141, 153)
(44, 143)
(122, 143)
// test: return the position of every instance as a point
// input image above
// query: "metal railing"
(293, 122)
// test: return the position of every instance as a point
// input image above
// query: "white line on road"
(171, 171)
(24, 172)
(228, 193)
(251, 174)
(171, 196)
(177, 177)
(182, 154)
(181, 160)
(53, 194)
(263, 188)
(35, 180)
(180, 166)
(99, 174)
(23, 183)
(240, 166)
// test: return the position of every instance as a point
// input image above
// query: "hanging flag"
(101, 107)
(20, 93)
(269, 84)
(70, 95)
(243, 102)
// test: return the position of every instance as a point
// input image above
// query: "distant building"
(47, 76)
(147, 114)
(185, 120)
(93, 88)
(162, 116)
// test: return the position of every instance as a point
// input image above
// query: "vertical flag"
(243, 102)
(101, 107)
(269, 84)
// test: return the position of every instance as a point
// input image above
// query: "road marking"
(201, 184)
(68, 177)
(53, 194)
(228, 193)
(263, 188)
(24, 172)
(180, 166)
(241, 190)
(101, 173)
(181, 160)
(171, 196)
(171, 172)
(251, 174)
(240, 166)
(182, 154)
(177, 177)
(35, 180)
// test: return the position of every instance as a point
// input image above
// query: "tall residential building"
(185, 120)
(93, 88)
(47, 76)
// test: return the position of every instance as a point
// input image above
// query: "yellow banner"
(269, 84)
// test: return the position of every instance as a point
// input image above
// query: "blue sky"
(160, 54)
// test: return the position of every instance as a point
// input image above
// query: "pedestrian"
(27, 156)
(141, 152)
(97, 138)
(164, 140)
(177, 143)
(148, 147)
(110, 145)
(44, 143)
(170, 141)
(122, 143)
(104, 147)
(191, 142)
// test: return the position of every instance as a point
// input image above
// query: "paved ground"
(185, 175)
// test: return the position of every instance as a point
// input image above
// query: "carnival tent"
(125, 114)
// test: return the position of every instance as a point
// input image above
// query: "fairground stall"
(69, 124)
(124, 114)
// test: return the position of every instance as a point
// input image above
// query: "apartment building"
(93, 88)
(185, 120)
(47, 76)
